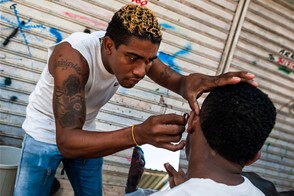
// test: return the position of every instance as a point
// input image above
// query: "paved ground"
(65, 188)
(109, 189)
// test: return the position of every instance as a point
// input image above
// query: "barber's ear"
(107, 44)
(256, 157)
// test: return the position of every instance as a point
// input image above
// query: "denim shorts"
(38, 165)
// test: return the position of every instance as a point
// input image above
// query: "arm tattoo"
(69, 106)
(64, 64)
(166, 74)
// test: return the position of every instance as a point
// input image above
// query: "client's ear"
(256, 157)
(193, 122)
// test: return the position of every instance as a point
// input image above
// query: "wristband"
(133, 135)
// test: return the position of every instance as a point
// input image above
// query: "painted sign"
(286, 64)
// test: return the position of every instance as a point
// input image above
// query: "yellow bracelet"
(133, 135)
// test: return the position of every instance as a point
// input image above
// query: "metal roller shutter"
(198, 36)
(262, 43)
(265, 47)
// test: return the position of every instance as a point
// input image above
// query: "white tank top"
(100, 87)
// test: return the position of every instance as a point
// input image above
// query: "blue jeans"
(38, 165)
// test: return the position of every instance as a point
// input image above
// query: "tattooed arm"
(192, 86)
(70, 71)
(165, 76)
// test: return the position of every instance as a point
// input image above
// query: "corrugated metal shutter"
(263, 44)
(195, 40)
(265, 47)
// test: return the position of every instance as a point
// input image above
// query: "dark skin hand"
(166, 126)
(192, 86)
(175, 177)
(70, 71)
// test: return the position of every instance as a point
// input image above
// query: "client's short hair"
(134, 20)
(236, 120)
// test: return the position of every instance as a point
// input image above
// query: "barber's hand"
(195, 84)
(174, 178)
(162, 131)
